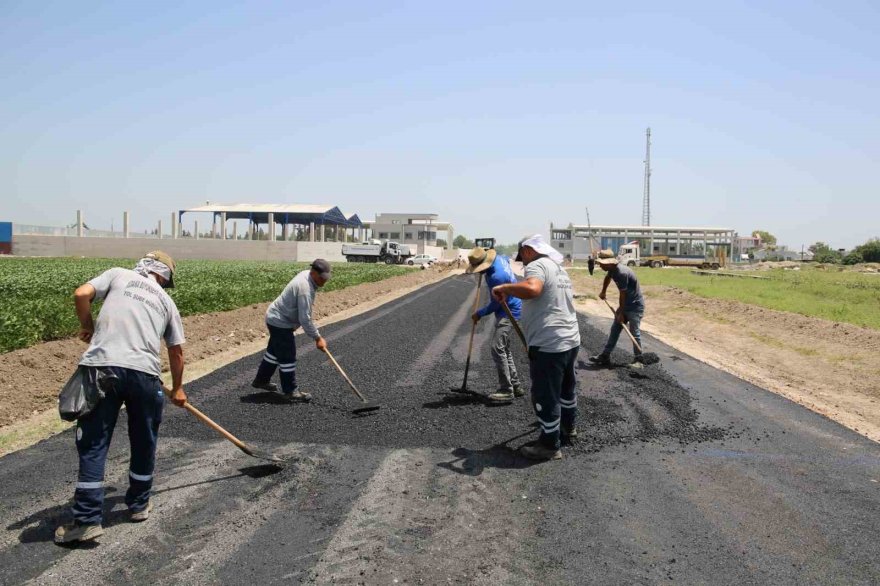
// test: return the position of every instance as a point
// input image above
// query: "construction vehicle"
(630, 255)
(484, 243)
(389, 252)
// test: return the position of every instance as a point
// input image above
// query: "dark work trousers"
(554, 392)
(142, 395)
(280, 354)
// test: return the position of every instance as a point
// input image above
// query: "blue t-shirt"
(626, 280)
(500, 273)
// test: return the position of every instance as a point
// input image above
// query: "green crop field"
(841, 296)
(37, 294)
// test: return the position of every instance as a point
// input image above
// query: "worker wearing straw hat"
(496, 268)
(630, 307)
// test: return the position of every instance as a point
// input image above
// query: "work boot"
(601, 359)
(568, 436)
(142, 515)
(297, 397)
(266, 386)
(501, 397)
(518, 392)
(539, 452)
(74, 532)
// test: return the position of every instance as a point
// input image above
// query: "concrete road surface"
(682, 474)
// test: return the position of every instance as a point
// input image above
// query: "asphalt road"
(683, 474)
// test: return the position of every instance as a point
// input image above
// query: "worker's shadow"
(501, 455)
(40, 526)
(265, 397)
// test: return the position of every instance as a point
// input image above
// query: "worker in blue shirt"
(497, 271)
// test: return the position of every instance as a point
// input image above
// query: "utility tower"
(646, 201)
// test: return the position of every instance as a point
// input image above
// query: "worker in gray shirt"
(630, 306)
(553, 338)
(290, 310)
(123, 362)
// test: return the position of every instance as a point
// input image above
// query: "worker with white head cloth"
(123, 363)
(553, 338)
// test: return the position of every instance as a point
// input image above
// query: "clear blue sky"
(499, 116)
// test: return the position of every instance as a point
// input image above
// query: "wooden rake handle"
(516, 327)
(345, 376)
(212, 424)
(625, 326)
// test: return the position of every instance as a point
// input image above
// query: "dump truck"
(630, 255)
(389, 252)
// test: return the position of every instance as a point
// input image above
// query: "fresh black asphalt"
(682, 473)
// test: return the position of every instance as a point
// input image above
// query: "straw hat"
(607, 257)
(480, 259)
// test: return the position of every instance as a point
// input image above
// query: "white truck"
(377, 251)
(630, 255)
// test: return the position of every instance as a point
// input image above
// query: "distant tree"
(767, 238)
(462, 241)
(818, 247)
(507, 249)
(870, 250)
(853, 258)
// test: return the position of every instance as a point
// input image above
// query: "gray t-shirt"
(293, 308)
(549, 320)
(626, 280)
(136, 316)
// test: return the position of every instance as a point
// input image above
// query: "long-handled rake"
(367, 406)
(467, 365)
(647, 357)
(249, 450)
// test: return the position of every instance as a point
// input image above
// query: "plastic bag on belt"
(84, 391)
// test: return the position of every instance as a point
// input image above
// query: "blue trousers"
(281, 354)
(554, 392)
(142, 395)
(634, 319)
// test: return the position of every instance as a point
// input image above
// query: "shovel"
(467, 365)
(367, 406)
(647, 357)
(250, 451)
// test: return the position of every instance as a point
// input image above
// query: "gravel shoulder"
(828, 367)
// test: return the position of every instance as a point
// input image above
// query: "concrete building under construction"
(576, 241)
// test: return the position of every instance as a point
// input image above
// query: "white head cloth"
(539, 245)
(145, 266)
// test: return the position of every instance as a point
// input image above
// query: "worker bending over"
(552, 334)
(123, 362)
(290, 310)
(496, 268)
(630, 306)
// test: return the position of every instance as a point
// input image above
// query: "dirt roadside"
(830, 368)
(30, 378)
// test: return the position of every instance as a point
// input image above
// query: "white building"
(419, 231)
(576, 242)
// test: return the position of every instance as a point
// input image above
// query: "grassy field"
(37, 294)
(844, 296)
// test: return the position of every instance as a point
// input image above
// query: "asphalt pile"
(407, 356)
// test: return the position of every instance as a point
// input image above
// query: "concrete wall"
(181, 248)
